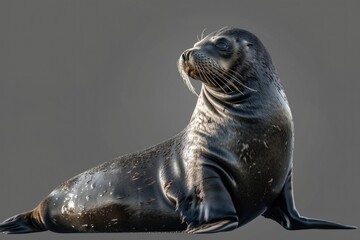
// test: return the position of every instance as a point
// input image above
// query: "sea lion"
(232, 162)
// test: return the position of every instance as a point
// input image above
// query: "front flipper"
(209, 207)
(219, 226)
(284, 212)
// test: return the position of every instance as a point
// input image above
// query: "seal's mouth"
(186, 71)
(191, 71)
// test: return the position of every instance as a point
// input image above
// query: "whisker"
(202, 34)
(202, 74)
(232, 76)
(186, 79)
(232, 79)
(220, 73)
(205, 76)
(216, 83)
(221, 70)
(209, 79)
(232, 71)
(222, 29)
(222, 80)
(190, 86)
(229, 78)
(211, 33)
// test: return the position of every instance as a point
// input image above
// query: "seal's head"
(225, 61)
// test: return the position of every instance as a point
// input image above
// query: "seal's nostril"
(183, 57)
(186, 55)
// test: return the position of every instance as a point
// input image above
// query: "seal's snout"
(193, 56)
(188, 64)
(186, 55)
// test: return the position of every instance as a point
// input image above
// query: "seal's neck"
(245, 105)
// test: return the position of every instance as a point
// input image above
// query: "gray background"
(84, 81)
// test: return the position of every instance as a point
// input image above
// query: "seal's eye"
(222, 45)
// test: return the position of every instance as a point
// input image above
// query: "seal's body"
(232, 163)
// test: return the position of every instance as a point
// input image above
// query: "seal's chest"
(264, 159)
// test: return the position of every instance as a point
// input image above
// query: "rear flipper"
(284, 212)
(22, 223)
